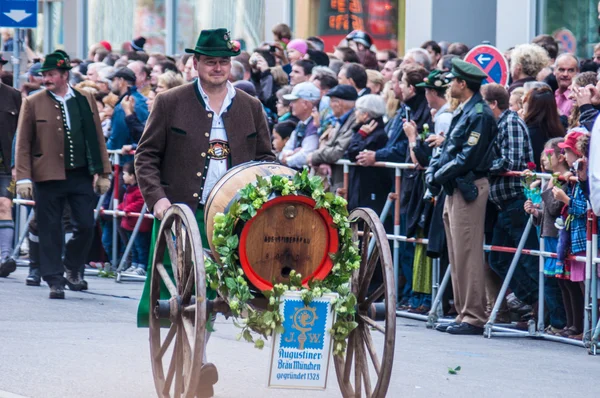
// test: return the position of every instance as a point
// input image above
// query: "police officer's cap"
(466, 71)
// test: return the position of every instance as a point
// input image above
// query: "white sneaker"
(140, 271)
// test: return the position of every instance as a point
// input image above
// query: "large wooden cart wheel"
(364, 369)
(177, 352)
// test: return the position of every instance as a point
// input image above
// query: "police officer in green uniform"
(461, 170)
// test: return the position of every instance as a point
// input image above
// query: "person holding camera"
(261, 62)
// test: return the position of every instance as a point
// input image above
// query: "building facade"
(171, 25)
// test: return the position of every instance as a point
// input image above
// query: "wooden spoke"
(164, 275)
(168, 236)
(187, 258)
(355, 232)
(167, 342)
(189, 285)
(171, 371)
(371, 348)
(365, 368)
(370, 268)
(188, 264)
(179, 242)
(179, 367)
(186, 354)
(364, 249)
(371, 323)
(189, 309)
(372, 297)
(188, 329)
(349, 357)
(357, 367)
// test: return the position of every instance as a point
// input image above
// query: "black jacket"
(136, 127)
(10, 107)
(369, 186)
(265, 89)
(420, 113)
(468, 147)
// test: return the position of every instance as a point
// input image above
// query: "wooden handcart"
(177, 351)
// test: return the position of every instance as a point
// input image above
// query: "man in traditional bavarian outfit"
(194, 134)
(61, 157)
(10, 104)
(462, 169)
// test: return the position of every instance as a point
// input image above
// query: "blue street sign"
(18, 13)
(491, 61)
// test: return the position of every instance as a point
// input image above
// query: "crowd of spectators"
(369, 106)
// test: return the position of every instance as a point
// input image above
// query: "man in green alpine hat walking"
(61, 157)
(194, 134)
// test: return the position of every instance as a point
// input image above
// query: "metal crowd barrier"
(591, 333)
(592, 322)
(119, 271)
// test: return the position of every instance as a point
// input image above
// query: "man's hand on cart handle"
(160, 207)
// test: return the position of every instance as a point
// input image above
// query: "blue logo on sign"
(304, 325)
(18, 13)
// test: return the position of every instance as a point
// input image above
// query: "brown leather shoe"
(576, 336)
(208, 378)
(73, 280)
(420, 310)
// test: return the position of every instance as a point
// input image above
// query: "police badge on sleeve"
(473, 139)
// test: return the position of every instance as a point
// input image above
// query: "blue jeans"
(107, 242)
(420, 299)
(140, 249)
(407, 257)
(508, 230)
(554, 303)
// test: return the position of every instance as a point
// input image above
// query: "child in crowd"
(281, 134)
(515, 102)
(106, 112)
(553, 161)
(133, 203)
(575, 211)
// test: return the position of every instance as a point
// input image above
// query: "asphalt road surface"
(88, 346)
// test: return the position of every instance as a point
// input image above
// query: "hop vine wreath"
(229, 279)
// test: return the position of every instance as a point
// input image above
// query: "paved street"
(88, 346)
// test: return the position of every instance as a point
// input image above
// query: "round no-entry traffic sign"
(567, 40)
(491, 61)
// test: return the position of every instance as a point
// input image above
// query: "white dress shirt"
(217, 167)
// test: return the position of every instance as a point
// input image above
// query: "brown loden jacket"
(10, 104)
(169, 160)
(40, 139)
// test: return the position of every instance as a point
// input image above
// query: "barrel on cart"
(286, 234)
